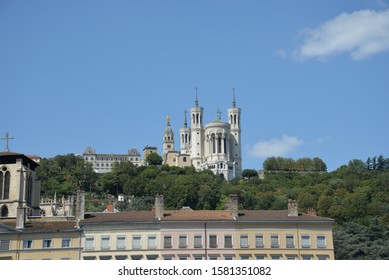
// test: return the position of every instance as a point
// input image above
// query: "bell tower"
(185, 136)
(197, 134)
(168, 138)
(234, 118)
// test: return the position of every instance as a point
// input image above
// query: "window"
(275, 257)
(182, 241)
(260, 256)
(5, 179)
(322, 257)
(182, 257)
(66, 242)
(213, 241)
(47, 243)
(198, 241)
(289, 241)
(307, 257)
(227, 241)
(244, 241)
(105, 243)
(259, 241)
(27, 244)
(305, 241)
(244, 257)
(290, 257)
(121, 242)
(152, 242)
(321, 241)
(4, 245)
(136, 242)
(89, 243)
(167, 241)
(274, 241)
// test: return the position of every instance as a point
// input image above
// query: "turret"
(168, 138)
(197, 134)
(234, 116)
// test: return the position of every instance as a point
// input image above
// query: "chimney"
(159, 207)
(233, 205)
(311, 212)
(292, 208)
(20, 218)
(80, 207)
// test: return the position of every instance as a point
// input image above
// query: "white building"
(215, 146)
(103, 163)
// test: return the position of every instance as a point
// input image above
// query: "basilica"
(215, 146)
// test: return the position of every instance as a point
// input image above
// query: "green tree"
(154, 159)
(249, 173)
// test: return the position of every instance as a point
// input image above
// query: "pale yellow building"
(40, 239)
(120, 236)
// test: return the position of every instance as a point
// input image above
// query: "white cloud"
(361, 33)
(275, 147)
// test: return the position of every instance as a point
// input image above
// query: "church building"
(215, 146)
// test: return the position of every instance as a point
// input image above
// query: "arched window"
(4, 211)
(5, 182)
(184, 159)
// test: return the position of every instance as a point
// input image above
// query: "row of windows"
(244, 241)
(198, 242)
(105, 243)
(111, 159)
(29, 243)
(211, 257)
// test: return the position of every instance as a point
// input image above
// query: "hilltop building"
(103, 163)
(215, 146)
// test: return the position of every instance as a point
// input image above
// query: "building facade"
(215, 146)
(103, 163)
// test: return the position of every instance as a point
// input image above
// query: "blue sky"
(311, 77)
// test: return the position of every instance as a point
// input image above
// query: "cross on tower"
(7, 138)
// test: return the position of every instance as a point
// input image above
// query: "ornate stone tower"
(197, 134)
(234, 115)
(19, 185)
(168, 138)
(185, 138)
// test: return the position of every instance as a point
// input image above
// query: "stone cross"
(7, 138)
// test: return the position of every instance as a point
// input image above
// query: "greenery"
(356, 195)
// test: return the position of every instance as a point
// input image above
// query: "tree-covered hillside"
(355, 195)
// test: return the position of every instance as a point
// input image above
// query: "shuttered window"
(167, 241)
(289, 241)
(213, 241)
(244, 241)
(259, 241)
(227, 241)
(198, 241)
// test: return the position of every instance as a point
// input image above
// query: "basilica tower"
(185, 138)
(168, 138)
(234, 115)
(197, 134)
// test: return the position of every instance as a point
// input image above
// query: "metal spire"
(197, 99)
(7, 138)
(185, 120)
(233, 101)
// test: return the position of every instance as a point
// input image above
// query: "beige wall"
(282, 231)
(37, 251)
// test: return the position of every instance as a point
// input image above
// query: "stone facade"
(215, 146)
